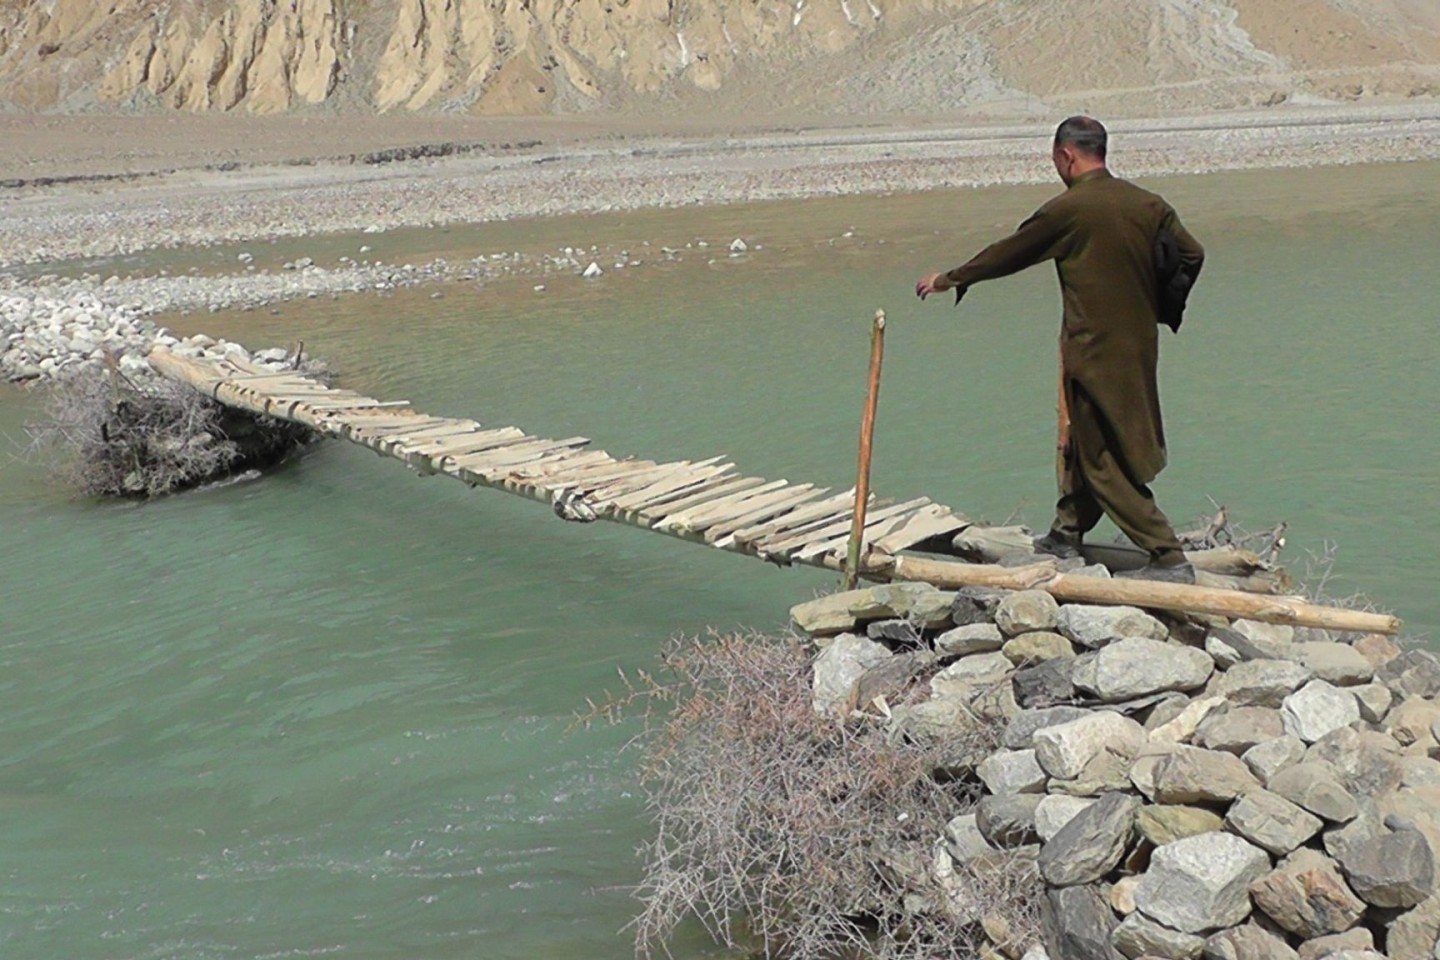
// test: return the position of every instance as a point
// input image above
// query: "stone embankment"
(1184, 788)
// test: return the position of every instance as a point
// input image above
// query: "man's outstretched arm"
(1042, 237)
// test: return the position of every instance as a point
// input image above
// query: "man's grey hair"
(1085, 134)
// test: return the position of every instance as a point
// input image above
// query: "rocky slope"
(738, 57)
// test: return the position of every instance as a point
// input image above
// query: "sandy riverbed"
(93, 187)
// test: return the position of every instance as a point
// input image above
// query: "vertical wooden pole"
(867, 436)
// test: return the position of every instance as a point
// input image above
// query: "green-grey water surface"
(327, 713)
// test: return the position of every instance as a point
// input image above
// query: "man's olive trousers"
(1094, 482)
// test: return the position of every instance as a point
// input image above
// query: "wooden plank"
(695, 518)
(453, 428)
(933, 521)
(791, 497)
(798, 540)
(666, 487)
(510, 453)
(708, 488)
(702, 479)
(476, 442)
(498, 464)
(376, 418)
(840, 545)
(591, 478)
(825, 541)
(798, 518)
(366, 428)
(573, 460)
(726, 487)
(359, 403)
(628, 486)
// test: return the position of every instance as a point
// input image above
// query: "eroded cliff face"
(538, 56)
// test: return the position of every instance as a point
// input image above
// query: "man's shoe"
(1169, 573)
(1055, 546)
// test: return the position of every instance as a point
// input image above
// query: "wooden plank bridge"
(708, 502)
(705, 501)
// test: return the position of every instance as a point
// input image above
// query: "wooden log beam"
(1173, 597)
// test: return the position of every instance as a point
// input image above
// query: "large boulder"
(1238, 729)
(971, 638)
(1414, 673)
(975, 605)
(1140, 937)
(1395, 870)
(1266, 641)
(1032, 648)
(1269, 758)
(1046, 684)
(1056, 810)
(1137, 667)
(1307, 896)
(1161, 823)
(1065, 750)
(1317, 709)
(1012, 771)
(839, 668)
(1272, 822)
(1378, 649)
(1194, 775)
(1374, 700)
(964, 841)
(1077, 924)
(1094, 627)
(1367, 763)
(1027, 611)
(839, 612)
(1183, 725)
(1260, 683)
(1415, 931)
(979, 668)
(1247, 942)
(1356, 938)
(1314, 786)
(1201, 883)
(1091, 844)
(1337, 663)
(1008, 821)
(1020, 731)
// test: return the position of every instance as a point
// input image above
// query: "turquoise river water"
(329, 712)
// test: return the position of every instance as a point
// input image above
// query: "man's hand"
(934, 283)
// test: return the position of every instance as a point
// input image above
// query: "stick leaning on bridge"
(704, 502)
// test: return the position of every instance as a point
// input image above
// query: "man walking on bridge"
(1125, 264)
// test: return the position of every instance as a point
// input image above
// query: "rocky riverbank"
(53, 327)
(47, 223)
(1182, 788)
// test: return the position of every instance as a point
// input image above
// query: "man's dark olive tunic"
(1101, 234)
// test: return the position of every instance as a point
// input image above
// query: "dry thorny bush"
(794, 834)
(109, 435)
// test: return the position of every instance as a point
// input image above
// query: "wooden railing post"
(867, 436)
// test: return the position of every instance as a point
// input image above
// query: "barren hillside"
(728, 57)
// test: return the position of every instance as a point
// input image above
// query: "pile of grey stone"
(58, 338)
(1186, 786)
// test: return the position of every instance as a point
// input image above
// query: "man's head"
(1079, 147)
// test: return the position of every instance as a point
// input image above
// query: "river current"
(330, 712)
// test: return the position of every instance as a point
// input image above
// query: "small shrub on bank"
(787, 832)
